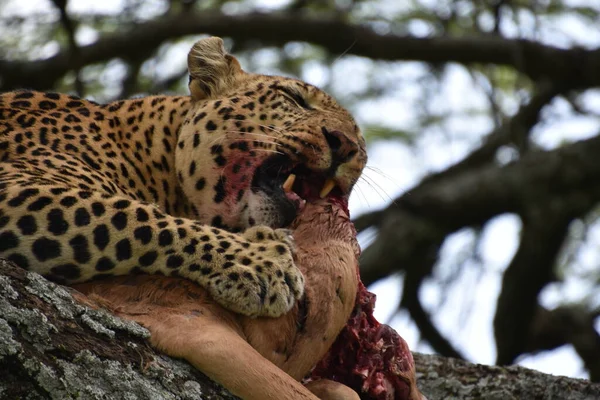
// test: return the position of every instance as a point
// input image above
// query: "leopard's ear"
(212, 70)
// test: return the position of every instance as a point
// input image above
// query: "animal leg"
(326, 389)
(221, 353)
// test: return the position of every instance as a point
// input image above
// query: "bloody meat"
(368, 356)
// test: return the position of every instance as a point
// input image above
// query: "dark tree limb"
(567, 324)
(427, 213)
(412, 229)
(515, 132)
(531, 268)
(421, 250)
(472, 198)
(429, 332)
(575, 68)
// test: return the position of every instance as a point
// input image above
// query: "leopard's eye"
(296, 97)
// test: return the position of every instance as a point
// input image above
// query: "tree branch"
(410, 299)
(451, 379)
(575, 68)
(473, 197)
(413, 227)
(515, 131)
(531, 268)
(423, 216)
(53, 347)
(568, 324)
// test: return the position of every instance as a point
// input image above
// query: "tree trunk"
(51, 347)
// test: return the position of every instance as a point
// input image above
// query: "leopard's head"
(254, 148)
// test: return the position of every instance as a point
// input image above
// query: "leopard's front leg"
(71, 235)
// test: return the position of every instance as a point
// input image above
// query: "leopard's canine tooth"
(327, 188)
(289, 182)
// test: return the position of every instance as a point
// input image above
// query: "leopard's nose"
(342, 148)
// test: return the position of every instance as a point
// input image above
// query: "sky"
(394, 168)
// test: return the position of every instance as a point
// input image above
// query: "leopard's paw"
(262, 280)
(261, 234)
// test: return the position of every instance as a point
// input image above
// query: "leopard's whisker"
(259, 134)
(360, 192)
(250, 140)
(272, 128)
(254, 134)
(376, 187)
(379, 172)
(270, 151)
(217, 140)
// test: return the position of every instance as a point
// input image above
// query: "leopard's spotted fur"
(88, 189)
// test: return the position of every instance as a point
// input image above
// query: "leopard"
(199, 186)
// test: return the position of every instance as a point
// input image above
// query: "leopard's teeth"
(327, 188)
(289, 182)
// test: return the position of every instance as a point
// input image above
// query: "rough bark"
(449, 379)
(54, 348)
(51, 347)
